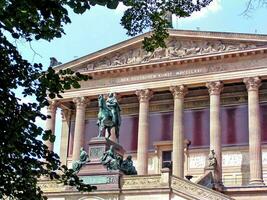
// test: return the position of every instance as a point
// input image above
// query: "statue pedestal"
(216, 184)
(94, 172)
(99, 145)
(104, 180)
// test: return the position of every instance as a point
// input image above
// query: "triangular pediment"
(180, 44)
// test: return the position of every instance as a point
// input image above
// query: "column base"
(256, 182)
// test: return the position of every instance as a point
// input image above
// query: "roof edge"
(172, 32)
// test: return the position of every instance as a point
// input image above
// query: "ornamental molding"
(141, 182)
(179, 91)
(207, 41)
(252, 83)
(177, 48)
(215, 87)
(51, 186)
(174, 72)
(196, 191)
(144, 95)
(81, 102)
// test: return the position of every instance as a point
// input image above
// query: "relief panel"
(176, 48)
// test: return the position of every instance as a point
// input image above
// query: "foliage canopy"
(23, 157)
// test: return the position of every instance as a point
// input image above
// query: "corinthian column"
(143, 131)
(80, 103)
(178, 130)
(51, 121)
(65, 115)
(215, 89)
(255, 154)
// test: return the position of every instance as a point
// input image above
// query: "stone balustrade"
(187, 188)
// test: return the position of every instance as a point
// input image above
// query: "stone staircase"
(190, 190)
(158, 186)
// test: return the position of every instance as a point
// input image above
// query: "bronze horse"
(105, 120)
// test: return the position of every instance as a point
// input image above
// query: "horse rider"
(114, 107)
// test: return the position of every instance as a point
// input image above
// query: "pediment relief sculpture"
(175, 49)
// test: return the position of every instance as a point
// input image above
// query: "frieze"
(141, 182)
(228, 160)
(176, 48)
(197, 161)
(51, 186)
(233, 159)
(189, 70)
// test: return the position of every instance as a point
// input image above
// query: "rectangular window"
(167, 159)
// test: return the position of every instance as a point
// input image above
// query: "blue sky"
(100, 28)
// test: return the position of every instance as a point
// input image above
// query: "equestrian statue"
(108, 116)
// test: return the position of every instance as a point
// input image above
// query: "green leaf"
(67, 86)
(52, 138)
(52, 95)
(76, 85)
(112, 4)
(45, 136)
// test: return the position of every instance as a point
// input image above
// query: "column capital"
(215, 88)
(53, 105)
(252, 83)
(178, 91)
(81, 101)
(65, 114)
(144, 95)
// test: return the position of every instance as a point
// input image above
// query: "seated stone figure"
(127, 166)
(111, 159)
(84, 158)
(212, 161)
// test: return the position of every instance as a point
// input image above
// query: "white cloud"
(213, 7)
(121, 8)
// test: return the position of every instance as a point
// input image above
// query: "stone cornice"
(157, 65)
(172, 62)
(190, 75)
(218, 35)
(173, 33)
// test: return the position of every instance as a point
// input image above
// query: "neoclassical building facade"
(206, 91)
